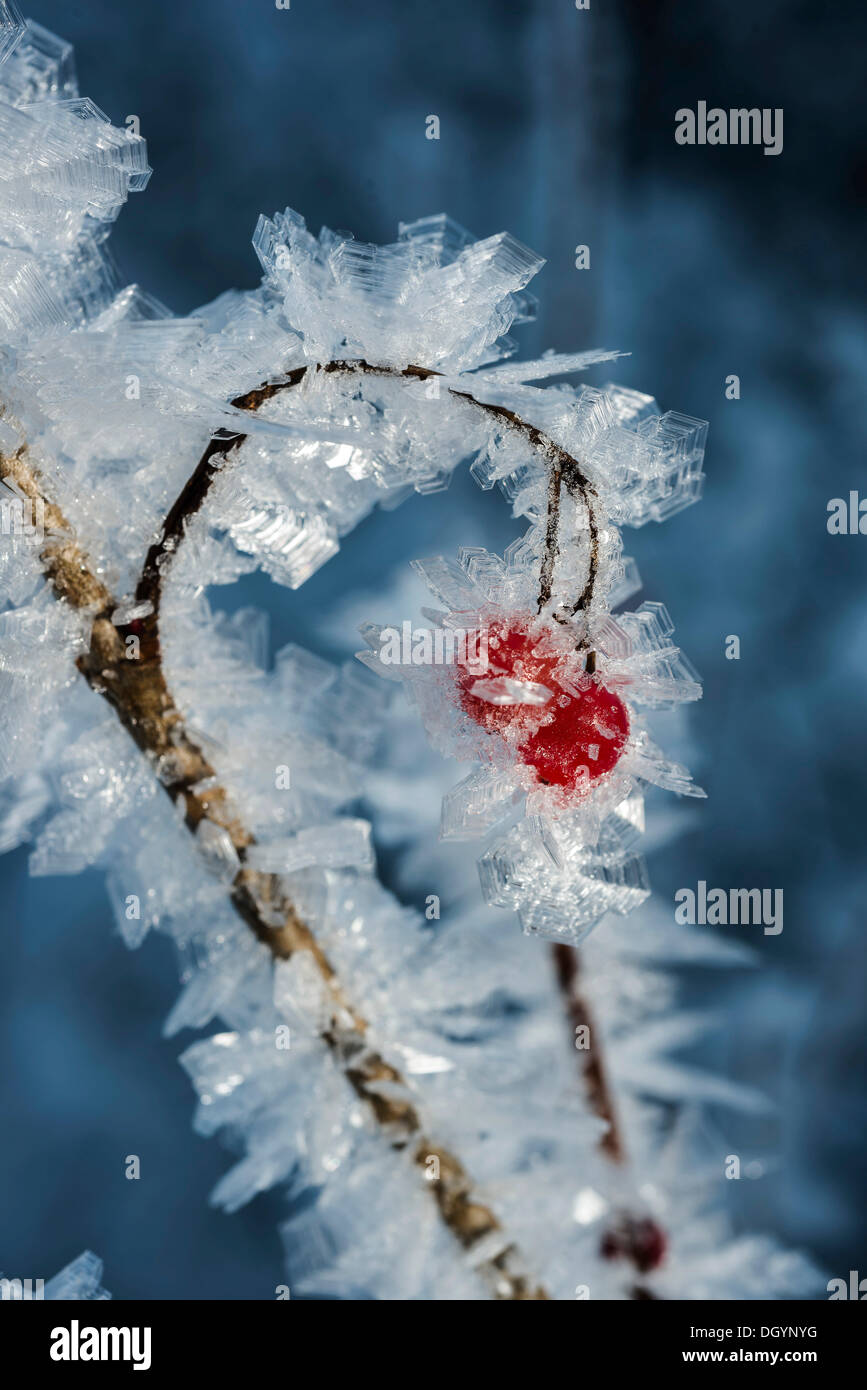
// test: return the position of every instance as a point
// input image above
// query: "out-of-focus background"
(558, 125)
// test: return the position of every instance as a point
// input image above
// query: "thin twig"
(566, 964)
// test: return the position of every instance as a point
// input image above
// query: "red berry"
(510, 652)
(566, 734)
(637, 1239)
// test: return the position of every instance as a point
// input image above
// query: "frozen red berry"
(637, 1239)
(583, 727)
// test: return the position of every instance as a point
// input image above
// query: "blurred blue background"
(557, 125)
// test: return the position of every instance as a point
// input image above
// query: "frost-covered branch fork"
(138, 692)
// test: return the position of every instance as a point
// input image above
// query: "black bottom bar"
(259, 1340)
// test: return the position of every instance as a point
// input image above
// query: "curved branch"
(565, 470)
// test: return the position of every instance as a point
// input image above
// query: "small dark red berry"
(637, 1239)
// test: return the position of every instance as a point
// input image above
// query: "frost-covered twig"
(595, 1074)
(138, 692)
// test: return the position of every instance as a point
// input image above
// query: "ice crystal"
(80, 1280)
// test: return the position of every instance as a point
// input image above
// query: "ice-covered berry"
(569, 736)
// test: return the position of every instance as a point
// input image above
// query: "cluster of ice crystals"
(11, 28)
(559, 886)
(112, 400)
(65, 172)
(646, 465)
(42, 67)
(81, 1280)
(436, 297)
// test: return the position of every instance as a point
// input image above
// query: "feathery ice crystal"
(145, 459)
